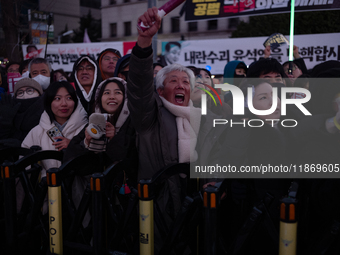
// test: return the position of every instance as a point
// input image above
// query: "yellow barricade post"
(53, 177)
(146, 218)
(210, 202)
(97, 188)
(288, 226)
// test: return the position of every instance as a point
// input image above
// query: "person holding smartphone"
(62, 119)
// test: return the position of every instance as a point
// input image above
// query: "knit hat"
(28, 82)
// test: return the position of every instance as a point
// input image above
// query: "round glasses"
(29, 91)
(107, 58)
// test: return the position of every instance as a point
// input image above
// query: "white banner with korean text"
(63, 56)
(215, 54)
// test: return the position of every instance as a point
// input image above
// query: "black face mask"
(238, 79)
(125, 73)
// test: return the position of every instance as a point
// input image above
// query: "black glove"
(8, 109)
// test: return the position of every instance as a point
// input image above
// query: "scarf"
(188, 120)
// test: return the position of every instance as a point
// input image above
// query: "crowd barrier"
(112, 228)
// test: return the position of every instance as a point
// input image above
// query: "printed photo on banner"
(314, 49)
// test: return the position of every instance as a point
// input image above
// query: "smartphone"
(54, 132)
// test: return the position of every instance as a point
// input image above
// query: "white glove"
(96, 127)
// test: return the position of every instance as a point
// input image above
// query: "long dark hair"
(98, 102)
(51, 92)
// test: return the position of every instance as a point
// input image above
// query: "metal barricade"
(147, 189)
(288, 222)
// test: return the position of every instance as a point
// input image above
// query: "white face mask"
(43, 81)
(25, 74)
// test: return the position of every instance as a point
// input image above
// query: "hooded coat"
(87, 100)
(120, 147)
(229, 75)
(122, 63)
(229, 71)
(38, 135)
(101, 54)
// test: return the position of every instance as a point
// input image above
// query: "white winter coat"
(38, 135)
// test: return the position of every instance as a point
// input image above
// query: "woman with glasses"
(27, 88)
(20, 113)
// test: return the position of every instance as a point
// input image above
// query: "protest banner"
(214, 9)
(215, 54)
(65, 55)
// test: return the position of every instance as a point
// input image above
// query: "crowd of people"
(150, 115)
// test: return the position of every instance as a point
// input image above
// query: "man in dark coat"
(166, 123)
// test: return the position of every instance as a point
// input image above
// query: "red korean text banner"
(213, 9)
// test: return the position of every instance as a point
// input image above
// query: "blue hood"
(229, 71)
(121, 63)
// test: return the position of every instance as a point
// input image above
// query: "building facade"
(119, 19)
(67, 13)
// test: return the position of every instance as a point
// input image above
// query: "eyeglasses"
(114, 59)
(87, 68)
(28, 91)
